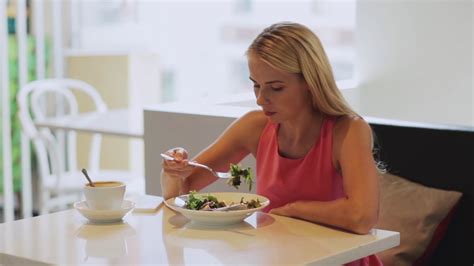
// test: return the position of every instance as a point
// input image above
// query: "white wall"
(415, 60)
(192, 126)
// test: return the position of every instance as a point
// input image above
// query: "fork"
(237, 206)
(195, 164)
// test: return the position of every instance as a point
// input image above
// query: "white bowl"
(218, 217)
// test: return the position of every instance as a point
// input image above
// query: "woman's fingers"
(175, 165)
(178, 167)
(284, 210)
(177, 174)
(180, 154)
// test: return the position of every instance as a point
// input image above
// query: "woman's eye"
(277, 88)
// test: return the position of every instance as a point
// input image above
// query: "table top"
(166, 237)
(118, 122)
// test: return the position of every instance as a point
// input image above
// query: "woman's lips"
(267, 113)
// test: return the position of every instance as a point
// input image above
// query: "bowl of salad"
(217, 208)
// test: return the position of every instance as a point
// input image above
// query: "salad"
(209, 202)
(238, 174)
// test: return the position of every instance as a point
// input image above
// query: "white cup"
(105, 195)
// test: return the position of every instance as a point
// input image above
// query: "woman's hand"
(284, 210)
(175, 173)
(179, 167)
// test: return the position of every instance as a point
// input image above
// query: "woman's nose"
(261, 99)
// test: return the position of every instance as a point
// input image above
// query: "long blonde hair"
(294, 48)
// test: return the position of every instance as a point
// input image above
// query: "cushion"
(437, 237)
(416, 211)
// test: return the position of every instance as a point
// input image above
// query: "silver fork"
(195, 164)
(237, 206)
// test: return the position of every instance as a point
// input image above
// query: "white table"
(118, 122)
(166, 237)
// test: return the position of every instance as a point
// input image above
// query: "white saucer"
(104, 216)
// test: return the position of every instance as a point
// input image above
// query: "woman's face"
(282, 95)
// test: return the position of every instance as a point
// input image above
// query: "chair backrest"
(49, 98)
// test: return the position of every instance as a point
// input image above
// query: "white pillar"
(38, 25)
(8, 208)
(23, 79)
(58, 57)
(58, 70)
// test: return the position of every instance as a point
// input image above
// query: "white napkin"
(147, 203)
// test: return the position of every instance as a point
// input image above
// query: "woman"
(313, 153)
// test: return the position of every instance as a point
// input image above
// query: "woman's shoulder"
(254, 119)
(350, 131)
(351, 120)
(351, 124)
(250, 127)
(251, 124)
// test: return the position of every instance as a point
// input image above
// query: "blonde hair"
(294, 48)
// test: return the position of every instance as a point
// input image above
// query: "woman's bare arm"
(236, 142)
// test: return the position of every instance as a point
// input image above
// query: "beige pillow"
(413, 210)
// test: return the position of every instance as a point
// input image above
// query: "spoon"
(88, 178)
(217, 174)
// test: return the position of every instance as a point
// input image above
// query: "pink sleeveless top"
(312, 177)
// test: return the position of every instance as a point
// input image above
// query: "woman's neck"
(301, 133)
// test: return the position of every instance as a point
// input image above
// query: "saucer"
(104, 216)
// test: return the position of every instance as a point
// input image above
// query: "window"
(201, 44)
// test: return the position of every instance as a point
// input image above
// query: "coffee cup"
(105, 195)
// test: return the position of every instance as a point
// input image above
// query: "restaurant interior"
(109, 86)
